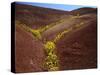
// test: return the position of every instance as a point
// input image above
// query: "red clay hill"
(77, 49)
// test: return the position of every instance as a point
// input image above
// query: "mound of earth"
(35, 17)
(29, 52)
(78, 50)
(75, 50)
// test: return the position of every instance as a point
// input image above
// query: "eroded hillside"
(49, 39)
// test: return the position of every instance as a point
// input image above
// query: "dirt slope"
(78, 50)
(29, 52)
(35, 17)
(84, 10)
(69, 22)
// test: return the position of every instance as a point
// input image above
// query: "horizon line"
(64, 7)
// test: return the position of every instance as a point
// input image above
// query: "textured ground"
(76, 50)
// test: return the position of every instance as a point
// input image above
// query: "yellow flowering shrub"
(51, 61)
(49, 46)
(42, 29)
(61, 34)
(54, 69)
(36, 33)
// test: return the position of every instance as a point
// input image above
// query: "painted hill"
(84, 10)
(29, 52)
(37, 16)
(76, 49)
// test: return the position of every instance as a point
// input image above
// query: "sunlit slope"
(68, 22)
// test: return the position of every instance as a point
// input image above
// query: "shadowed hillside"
(77, 50)
(29, 52)
(35, 16)
(85, 10)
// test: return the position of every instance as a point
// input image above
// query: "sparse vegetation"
(36, 33)
(79, 25)
(51, 61)
(78, 15)
(51, 38)
(61, 35)
(49, 46)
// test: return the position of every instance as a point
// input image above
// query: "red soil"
(78, 50)
(29, 52)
